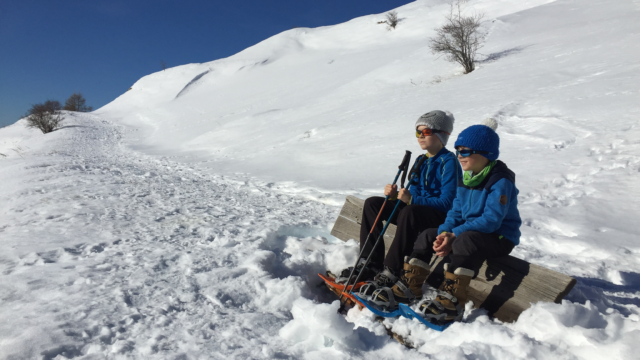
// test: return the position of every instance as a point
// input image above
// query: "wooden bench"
(504, 286)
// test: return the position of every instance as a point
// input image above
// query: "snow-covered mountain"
(186, 218)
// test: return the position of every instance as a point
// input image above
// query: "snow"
(188, 218)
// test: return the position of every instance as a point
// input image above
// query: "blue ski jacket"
(490, 207)
(436, 185)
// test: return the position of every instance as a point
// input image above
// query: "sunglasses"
(427, 132)
(468, 152)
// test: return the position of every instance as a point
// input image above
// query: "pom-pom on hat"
(481, 137)
(438, 120)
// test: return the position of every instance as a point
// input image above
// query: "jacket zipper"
(426, 177)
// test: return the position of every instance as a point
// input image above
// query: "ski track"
(168, 262)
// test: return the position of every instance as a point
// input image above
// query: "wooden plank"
(355, 201)
(347, 224)
(345, 229)
(352, 209)
(504, 286)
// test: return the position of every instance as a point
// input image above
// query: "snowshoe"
(337, 289)
(377, 309)
(331, 283)
(432, 323)
(384, 279)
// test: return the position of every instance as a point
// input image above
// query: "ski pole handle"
(405, 167)
(405, 160)
(402, 167)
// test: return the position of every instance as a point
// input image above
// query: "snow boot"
(384, 279)
(368, 273)
(448, 306)
(406, 289)
(409, 287)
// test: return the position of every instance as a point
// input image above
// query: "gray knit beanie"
(438, 120)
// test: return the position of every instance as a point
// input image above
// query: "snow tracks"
(109, 253)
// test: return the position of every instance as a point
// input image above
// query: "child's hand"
(404, 195)
(391, 191)
(442, 245)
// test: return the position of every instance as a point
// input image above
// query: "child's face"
(428, 142)
(473, 162)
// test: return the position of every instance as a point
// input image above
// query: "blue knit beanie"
(481, 137)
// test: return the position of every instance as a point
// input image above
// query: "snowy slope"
(286, 107)
(187, 218)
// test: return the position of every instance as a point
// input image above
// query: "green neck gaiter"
(477, 179)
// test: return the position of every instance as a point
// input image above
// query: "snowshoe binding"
(384, 279)
(448, 306)
(336, 283)
(405, 290)
(379, 308)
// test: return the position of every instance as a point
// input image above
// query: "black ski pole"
(402, 168)
(417, 166)
(375, 245)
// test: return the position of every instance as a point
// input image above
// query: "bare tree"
(460, 37)
(46, 117)
(392, 19)
(163, 65)
(76, 102)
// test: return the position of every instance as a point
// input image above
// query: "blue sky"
(51, 49)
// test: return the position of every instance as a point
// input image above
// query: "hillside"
(187, 218)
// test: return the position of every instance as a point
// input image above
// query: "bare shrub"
(76, 102)
(392, 19)
(460, 38)
(46, 117)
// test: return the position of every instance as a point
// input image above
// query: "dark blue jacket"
(490, 207)
(436, 186)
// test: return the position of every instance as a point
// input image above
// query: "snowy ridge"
(188, 218)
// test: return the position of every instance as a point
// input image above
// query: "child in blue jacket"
(483, 223)
(423, 205)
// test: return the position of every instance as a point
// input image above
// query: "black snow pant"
(410, 220)
(469, 249)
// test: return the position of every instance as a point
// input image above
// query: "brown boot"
(453, 296)
(409, 287)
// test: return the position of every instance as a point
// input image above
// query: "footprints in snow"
(173, 258)
(552, 132)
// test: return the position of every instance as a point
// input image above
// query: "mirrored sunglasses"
(427, 132)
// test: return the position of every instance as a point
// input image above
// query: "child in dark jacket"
(483, 223)
(424, 205)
